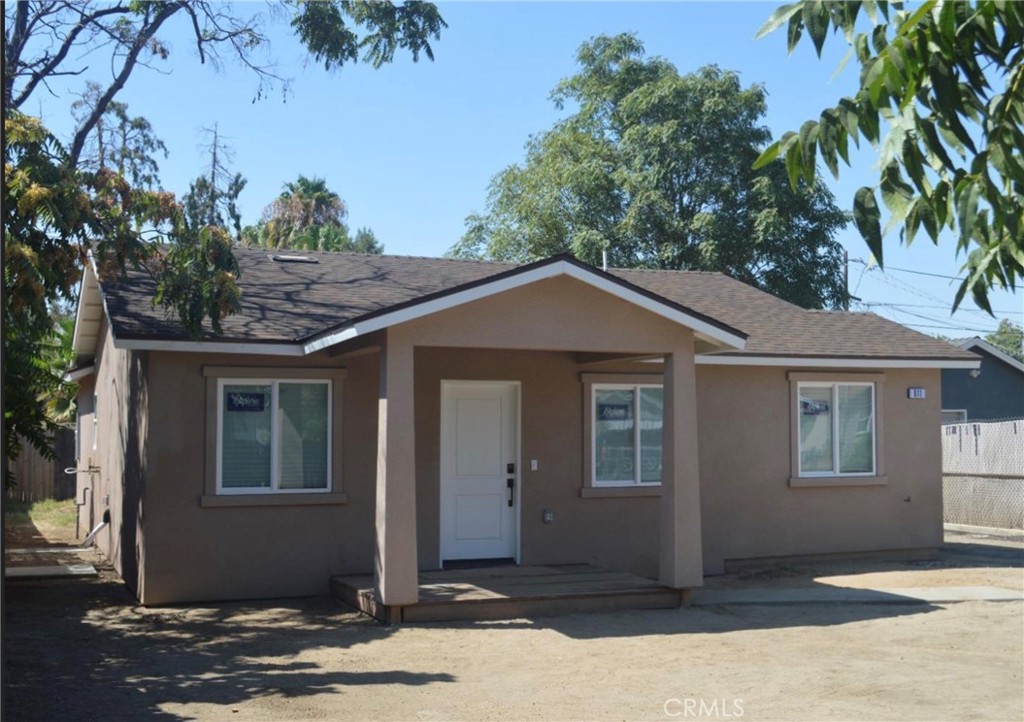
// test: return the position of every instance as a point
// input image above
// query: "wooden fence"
(39, 478)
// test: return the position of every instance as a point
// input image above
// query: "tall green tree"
(1009, 337)
(56, 208)
(655, 168)
(941, 97)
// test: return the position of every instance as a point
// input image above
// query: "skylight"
(291, 258)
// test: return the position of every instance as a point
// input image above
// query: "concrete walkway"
(50, 571)
(846, 595)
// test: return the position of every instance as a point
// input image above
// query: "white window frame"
(638, 454)
(275, 440)
(834, 386)
(962, 412)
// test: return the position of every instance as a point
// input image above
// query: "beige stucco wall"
(121, 433)
(199, 553)
(618, 533)
(748, 508)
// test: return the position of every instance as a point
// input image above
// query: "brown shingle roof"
(290, 302)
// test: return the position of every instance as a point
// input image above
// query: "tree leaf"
(808, 146)
(967, 192)
(868, 220)
(816, 20)
(794, 31)
(768, 155)
(778, 18)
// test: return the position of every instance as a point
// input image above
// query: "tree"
(45, 39)
(120, 142)
(212, 199)
(948, 80)
(51, 215)
(1009, 337)
(308, 216)
(366, 241)
(655, 168)
(59, 205)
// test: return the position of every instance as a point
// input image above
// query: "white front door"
(479, 469)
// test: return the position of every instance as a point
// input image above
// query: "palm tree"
(306, 202)
(308, 216)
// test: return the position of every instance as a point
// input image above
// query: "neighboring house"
(994, 391)
(387, 414)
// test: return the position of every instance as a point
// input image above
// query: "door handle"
(511, 491)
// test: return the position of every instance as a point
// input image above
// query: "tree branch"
(65, 48)
(147, 31)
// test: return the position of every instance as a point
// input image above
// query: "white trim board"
(258, 349)
(703, 329)
(80, 373)
(810, 362)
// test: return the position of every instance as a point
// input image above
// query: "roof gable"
(705, 327)
(984, 346)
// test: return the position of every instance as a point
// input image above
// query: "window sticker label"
(614, 412)
(245, 401)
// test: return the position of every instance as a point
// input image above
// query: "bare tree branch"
(48, 69)
(146, 32)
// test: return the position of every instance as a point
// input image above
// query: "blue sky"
(411, 147)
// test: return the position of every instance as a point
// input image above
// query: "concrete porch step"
(510, 592)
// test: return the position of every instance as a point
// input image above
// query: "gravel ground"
(81, 649)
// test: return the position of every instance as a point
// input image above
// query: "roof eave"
(860, 362)
(89, 313)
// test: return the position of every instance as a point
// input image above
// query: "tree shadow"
(79, 649)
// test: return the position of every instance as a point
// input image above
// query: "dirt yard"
(81, 649)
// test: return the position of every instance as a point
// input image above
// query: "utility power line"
(944, 307)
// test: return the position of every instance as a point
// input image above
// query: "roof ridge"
(359, 254)
(667, 270)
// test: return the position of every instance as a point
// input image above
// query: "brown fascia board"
(525, 269)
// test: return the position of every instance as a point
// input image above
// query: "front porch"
(508, 592)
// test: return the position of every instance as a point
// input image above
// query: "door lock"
(511, 490)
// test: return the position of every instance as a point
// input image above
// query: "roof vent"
(291, 258)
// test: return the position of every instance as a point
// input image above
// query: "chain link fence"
(983, 473)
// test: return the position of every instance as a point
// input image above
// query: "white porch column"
(680, 555)
(395, 568)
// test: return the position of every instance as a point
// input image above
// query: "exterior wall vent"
(291, 258)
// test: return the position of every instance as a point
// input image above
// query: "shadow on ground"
(81, 649)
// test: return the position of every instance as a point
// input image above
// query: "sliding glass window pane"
(614, 455)
(815, 429)
(303, 429)
(245, 442)
(856, 430)
(651, 409)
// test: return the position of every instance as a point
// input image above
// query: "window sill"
(616, 492)
(313, 499)
(809, 481)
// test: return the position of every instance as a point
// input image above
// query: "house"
(993, 391)
(391, 414)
